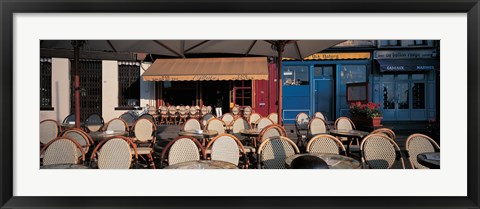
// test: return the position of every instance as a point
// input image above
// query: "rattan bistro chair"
(172, 115)
(94, 122)
(206, 118)
(193, 112)
(183, 115)
(419, 143)
(116, 124)
(237, 125)
(70, 118)
(79, 136)
(263, 122)
(49, 130)
(319, 115)
(144, 131)
(163, 115)
(274, 117)
(386, 131)
(380, 152)
(182, 149)
(344, 123)
(270, 131)
(62, 150)
(317, 126)
(116, 152)
(247, 110)
(192, 124)
(324, 143)
(147, 116)
(301, 125)
(228, 118)
(129, 118)
(253, 118)
(228, 148)
(236, 111)
(216, 125)
(274, 150)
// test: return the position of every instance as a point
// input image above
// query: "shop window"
(128, 84)
(418, 95)
(296, 76)
(388, 96)
(46, 84)
(242, 93)
(90, 73)
(353, 74)
(387, 43)
(323, 71)
(418, 76)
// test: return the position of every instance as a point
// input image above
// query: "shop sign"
(406, 54)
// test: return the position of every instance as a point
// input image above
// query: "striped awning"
(208, 69)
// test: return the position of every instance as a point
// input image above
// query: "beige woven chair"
(206, 118)
(49, 130)
(62, 150)
(192, 124)
(216, 125)
(319, 115)
(193, 112)
(116, 152)
(226, 147)
(317, 126)
(270, 131)
(228, 118)
(116, 124)
(144, 131)
(274, 117)
(203, 110)
(419, 143)
(263, 122)
(236, 111)
(301, 127)
(163, 115)
(274, 150)
(172, 115)
(324, 143)
(183, 114)
(344, 123)
(182, 149)
(79, 136)
(254, 118)
(380, 152)
(128, 117)
(237, 125)
(386, 131)
(94, 122)
(247, 110)
(209, 109)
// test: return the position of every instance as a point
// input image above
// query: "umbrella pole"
(280, 46)
(77, 84)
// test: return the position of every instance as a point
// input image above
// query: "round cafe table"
(251, 134)
(350, 134)
(99, 136)
(429, 159)
(203, 164)
(64, 166)
(333, 161)
(206, 134)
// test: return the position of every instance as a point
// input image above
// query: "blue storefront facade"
(402, 81)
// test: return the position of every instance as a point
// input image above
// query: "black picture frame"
(10, 7)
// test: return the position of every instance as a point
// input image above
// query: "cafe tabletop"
(203, 164)
(429, 159)
(64, 166)
(333, 161)
(199, 135)
(348, 133)
(102, 135)
(250, 132)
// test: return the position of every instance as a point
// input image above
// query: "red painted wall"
(266, 93)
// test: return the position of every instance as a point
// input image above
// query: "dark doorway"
(209, 94)
(179, 93)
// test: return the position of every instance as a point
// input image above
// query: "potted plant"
(366, 114)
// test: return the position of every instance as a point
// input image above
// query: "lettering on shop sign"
(395, 67)
(410, 54)
(205, 78)
(406, 68)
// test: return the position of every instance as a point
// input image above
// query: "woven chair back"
(226, 147)
(209, 109)
(206, 118)
(94, 122)
(419, 143)
(344, 123)
(317, 126)
(69, 118)
(117, 124)
(163, 110)
(62, 150)
(386, 131)
(183, 150)
(172, 110)
(146, 116)
(319, 115)
(263, 122)
(235, 110)
(302, 120)
(192, 124)
(204, 110)
(216, 125)
(254, 117)
(274, 150)
(247, 111)
(144, 130)
(152, 110)
(193, 111)
(227, 118)
(49, 130)
(115, 153)
(325, 143)
(271, 131)
(128, 118)
(80, 137)
(379, 151)
(274, 117)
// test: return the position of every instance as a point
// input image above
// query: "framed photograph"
(27, 26)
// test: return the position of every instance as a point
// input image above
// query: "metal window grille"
(45, 82)
(90, 72)
(128, 84)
